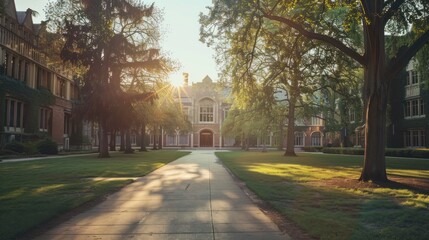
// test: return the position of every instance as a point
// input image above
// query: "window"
(316, 139)
(414, 108)
(206, 110)
(14, 115)
(415, 138)
(352, 115)
(67, 123)
(171, 140)
(185, 113)
(13, 63)
(299, 139)
(183, 139)
(225, 113)
(412, 78)
(3, 66)
(61, 88)
(44, 119)
(316, 121)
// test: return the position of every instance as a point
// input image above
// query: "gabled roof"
(207, 79)
(23, 18)
(10, 9)
(26, 18)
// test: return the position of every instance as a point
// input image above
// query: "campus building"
(409, 122)
(205, 106)
(35, 98)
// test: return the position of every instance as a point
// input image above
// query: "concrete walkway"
(193, 197)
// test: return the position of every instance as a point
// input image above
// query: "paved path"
(193, 197)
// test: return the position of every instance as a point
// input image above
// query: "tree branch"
(391, 11)
(404, 56)
(316, 36)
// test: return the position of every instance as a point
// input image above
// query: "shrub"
(15, 146)
(349, 151)
(312, 149)
(47, 146)
(5, 152)
(31, 148)
(393, 152)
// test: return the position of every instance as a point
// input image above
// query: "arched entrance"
(206, 138)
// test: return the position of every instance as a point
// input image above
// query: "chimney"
(185, 78)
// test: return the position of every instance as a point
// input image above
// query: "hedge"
(393, 152)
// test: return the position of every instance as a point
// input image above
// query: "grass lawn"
(33, 192)
(321, 195)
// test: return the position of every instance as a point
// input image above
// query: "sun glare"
(176, 84)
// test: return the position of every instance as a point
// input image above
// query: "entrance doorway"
(206, 138)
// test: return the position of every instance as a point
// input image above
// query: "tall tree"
(106, 37)
(374, 18)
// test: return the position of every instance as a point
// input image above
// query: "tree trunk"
(281, 137)
(154, 139)
(290, 145)
(103, 145)
(112, 140)
(160, 138)
(374, 168)
(128, 148)
(376, 90)
(122, 147)
(142, 138)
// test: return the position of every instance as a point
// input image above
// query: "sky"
(180, 40)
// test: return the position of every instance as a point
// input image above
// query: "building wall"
(208, 97)
(409, 128)
(23, 62)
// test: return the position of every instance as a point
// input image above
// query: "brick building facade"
(35, 97)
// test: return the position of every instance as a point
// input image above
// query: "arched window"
(299, 139)
(206, 110)
(315, 139)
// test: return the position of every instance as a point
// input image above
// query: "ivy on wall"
(34, 98)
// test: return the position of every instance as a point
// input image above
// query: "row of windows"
(20, 30)
(414, 108)
(316, 139)
(14, 117)
(180, 140)
(20, 69)
(414, 138)
(12, 41)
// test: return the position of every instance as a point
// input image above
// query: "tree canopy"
(106, 37)
(374, 20)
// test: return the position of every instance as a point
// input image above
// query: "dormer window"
(412, 78)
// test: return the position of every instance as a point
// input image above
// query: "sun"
(176, 84)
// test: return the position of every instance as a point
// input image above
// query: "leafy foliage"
(357, 29)
(47, 146)
(107, 37)
(41, 96)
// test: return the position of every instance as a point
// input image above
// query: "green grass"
(33, 192)
(297, 188)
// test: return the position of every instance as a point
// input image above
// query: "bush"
(348, 151)
(392, 152)
(15, 146)
(31, 148)
(6, 152)
(312, 149)
(47, 146)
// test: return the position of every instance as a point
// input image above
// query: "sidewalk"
(191, 198)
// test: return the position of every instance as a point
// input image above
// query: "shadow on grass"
(394, 210)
